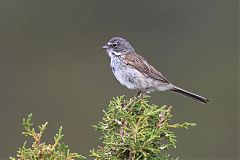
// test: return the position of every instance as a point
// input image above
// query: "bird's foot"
(141, 95)
(134, 99)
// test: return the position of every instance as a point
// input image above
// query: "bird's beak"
(105, 46)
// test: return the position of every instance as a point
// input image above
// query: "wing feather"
(139, 63)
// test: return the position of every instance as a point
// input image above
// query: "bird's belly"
(131, 78)
(134, 79)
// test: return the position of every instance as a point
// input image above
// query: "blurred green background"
(52, 65)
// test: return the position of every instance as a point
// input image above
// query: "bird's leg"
(139, 95)
(135, 96)
(132, 100)
(142, 94)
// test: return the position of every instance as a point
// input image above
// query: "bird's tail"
(190, 94)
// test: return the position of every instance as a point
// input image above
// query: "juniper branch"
(40, 150)
(140, 131)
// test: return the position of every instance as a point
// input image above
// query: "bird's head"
(118, 46)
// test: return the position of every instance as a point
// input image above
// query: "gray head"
(118, 46)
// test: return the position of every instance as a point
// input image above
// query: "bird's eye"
(114, 45)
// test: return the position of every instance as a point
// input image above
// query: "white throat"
(113, 53)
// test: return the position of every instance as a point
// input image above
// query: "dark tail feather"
(189, 94)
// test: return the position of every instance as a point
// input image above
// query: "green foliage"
(41, 151)
(131, 130)
(136, 131)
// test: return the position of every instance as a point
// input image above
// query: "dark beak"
(105, 46)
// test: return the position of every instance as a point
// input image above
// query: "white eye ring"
(114, 44)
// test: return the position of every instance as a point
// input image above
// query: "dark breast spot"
(131, 80)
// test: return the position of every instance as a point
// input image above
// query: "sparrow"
(134, 72)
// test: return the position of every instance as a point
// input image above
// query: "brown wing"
(144, 67)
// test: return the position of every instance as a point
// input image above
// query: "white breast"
(132, 78)
(127, 76)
